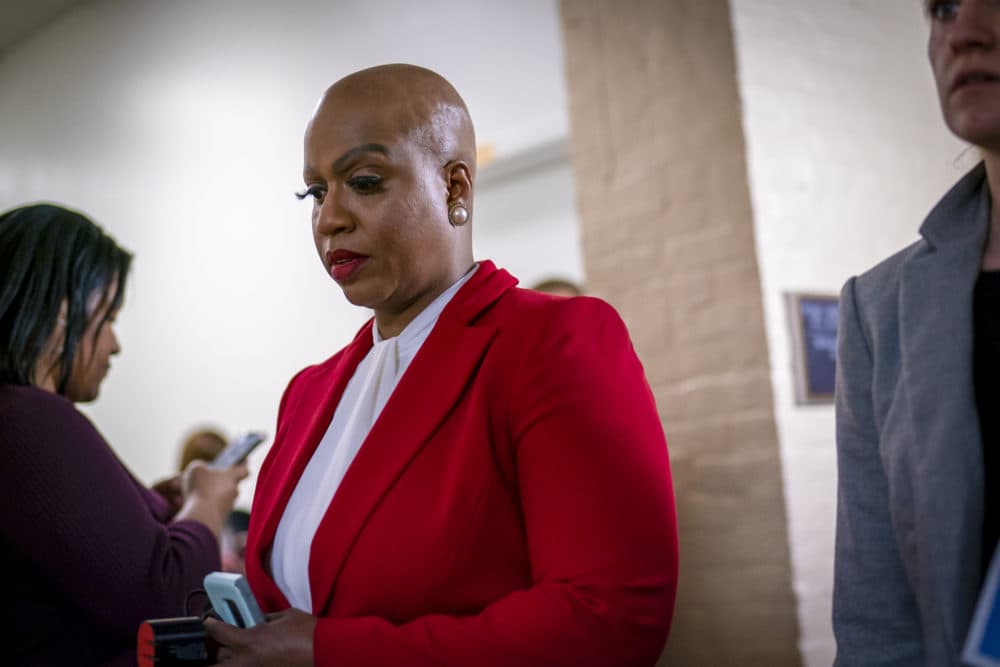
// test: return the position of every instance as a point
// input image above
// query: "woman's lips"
(973, 78)
(344, 263)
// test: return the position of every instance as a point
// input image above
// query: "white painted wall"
(846, 154)
(530, 221)
(178, 126)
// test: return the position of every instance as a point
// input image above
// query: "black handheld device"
(173, 642)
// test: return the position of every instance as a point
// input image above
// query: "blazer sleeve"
(875, 619)
(595, 488)
(80, 518)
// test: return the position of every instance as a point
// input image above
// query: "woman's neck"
(47, 381)
(991, 256)
(391, 323)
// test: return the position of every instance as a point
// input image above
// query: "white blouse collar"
(411, 337)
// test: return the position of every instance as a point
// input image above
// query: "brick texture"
(662, 192)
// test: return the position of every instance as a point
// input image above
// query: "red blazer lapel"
(311, 404)
(425, 395)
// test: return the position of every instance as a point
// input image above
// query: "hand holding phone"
(238, 450)
(232, 599)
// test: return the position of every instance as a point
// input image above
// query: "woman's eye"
(314, 191)
(365, 185)
(942, 10)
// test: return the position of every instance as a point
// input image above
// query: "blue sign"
(818, 318)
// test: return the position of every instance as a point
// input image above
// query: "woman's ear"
(459, 180)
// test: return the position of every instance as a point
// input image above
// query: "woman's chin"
(979, 129)
(88, 396)
(358, 297)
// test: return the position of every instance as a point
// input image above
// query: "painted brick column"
(659, 158)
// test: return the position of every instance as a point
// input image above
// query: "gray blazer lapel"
(945, 459)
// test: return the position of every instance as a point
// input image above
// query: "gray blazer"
(910, 489)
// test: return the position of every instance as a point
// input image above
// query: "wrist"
(199, 509)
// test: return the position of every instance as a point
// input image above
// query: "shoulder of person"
(880, 284)
(546, 324)
(320, 371)
(35, 422)
(316, 373)
(538, 307)
(27, 404)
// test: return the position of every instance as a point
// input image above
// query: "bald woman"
(480, 477)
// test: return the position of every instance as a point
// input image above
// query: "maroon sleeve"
(595, 485)
(80, 517)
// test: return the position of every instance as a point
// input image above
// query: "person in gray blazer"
(918, 392)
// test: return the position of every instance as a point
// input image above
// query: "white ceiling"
(19, 19)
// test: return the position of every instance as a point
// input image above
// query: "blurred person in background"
(88, 551)
(234, 541)
(203, 444)
(558, 287)
(918, 391)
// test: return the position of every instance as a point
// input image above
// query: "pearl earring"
(458, 215)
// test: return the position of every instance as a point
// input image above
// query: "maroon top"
(86, 551)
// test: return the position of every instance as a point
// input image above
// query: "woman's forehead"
(332, 140)
(343, 131)
(364, 120)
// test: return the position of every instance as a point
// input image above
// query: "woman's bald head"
(389, 156)
(410, 101)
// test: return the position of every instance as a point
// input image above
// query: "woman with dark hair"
(918, 431)
(88, 552)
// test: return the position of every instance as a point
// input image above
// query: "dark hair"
(50, 255)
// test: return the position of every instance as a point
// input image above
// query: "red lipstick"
(344, 263)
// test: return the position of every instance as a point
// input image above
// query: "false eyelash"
(311, 191)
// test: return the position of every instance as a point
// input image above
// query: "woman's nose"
(971, 27)
(331, 217)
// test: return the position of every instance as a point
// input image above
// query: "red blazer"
(511, 506)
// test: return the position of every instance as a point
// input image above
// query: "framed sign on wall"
(813, 323)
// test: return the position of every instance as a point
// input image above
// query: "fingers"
(242, 471)
(286, 639)
(170, 482)
(235, 644)
(223, 633)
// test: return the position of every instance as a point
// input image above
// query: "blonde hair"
(202, 445)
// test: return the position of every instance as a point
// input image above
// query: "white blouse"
(364, 397)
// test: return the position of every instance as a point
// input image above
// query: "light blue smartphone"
(232, 599)
(238, 450)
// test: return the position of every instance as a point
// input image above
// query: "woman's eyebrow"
(342, 161)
